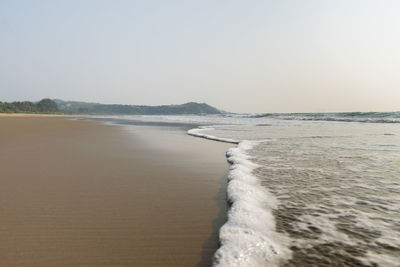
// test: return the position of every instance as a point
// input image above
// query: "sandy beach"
(87, 194)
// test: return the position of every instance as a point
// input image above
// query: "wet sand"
(86, 194)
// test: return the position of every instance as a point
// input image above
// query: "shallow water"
(338, 204)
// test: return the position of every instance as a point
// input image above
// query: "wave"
(370, 120)
(364, 117)
(248, 238)
(246, 115)
(197, 133)
(370, 114)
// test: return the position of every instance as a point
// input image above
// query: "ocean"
(307, 189)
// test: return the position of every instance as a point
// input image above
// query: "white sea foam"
(198, 133)
(248, 238)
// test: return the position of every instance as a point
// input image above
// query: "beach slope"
(84, 193)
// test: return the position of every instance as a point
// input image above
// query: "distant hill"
(74, 107)
(43, 106)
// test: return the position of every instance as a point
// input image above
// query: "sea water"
(306, 189)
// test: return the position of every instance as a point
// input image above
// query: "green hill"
(74, 107)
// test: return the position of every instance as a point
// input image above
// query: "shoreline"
(102, 194)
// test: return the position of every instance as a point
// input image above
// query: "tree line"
(43, 106)
(73, 107)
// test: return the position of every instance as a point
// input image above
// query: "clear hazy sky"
(240, 56)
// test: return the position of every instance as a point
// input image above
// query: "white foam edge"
(248, 238)
(197, 132)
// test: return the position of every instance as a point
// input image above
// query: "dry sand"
(87, 194)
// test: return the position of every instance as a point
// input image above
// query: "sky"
(240, 56)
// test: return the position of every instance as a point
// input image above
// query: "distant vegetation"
(43, 106)
(73, 107)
